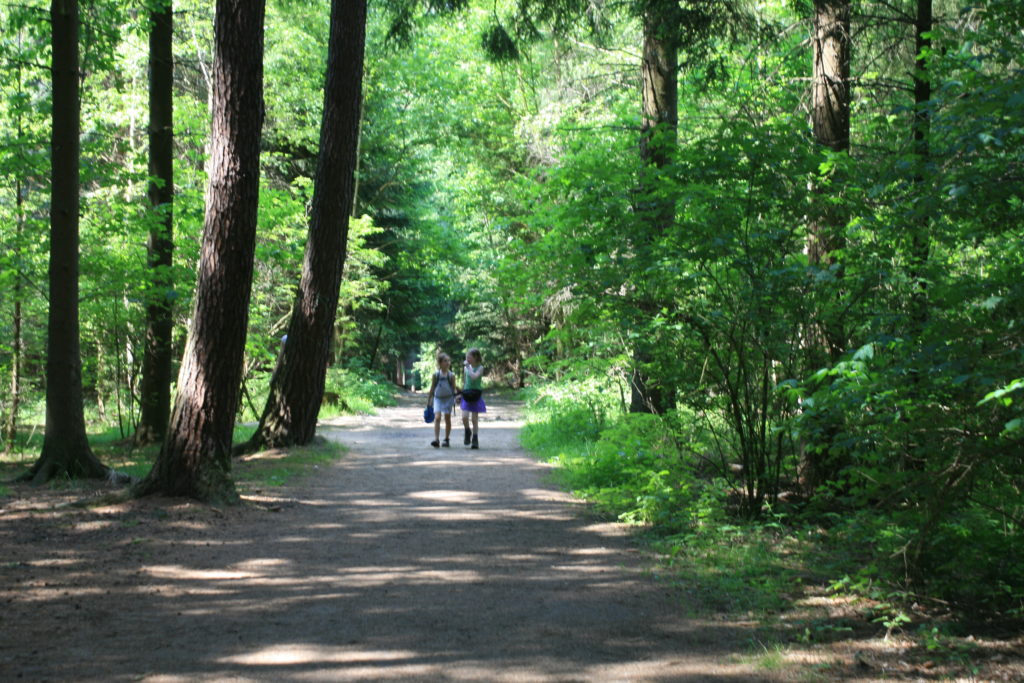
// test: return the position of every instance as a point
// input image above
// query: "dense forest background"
(776, 284)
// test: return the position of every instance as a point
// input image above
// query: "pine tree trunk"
(11, 428)
(921, 241)
(830, 113)
(195, 459)
(830, 124)
(297, 385)
(660, 122)
(66, 450)
(155, 393)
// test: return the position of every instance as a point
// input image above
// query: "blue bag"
(428, 414)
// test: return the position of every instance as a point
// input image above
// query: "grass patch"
(275, 468)
(355, 391)
(272, 468)
(753, 571)
(767, 657)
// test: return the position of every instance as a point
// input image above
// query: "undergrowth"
(648, 471)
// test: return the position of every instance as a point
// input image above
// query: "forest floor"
(397, 562)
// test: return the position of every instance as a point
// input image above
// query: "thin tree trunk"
(11, 428)
(830, 124)
(297, 385)
(921, 243)
(660, 86)
(830, 121)
(830, 113)
(155, 392)
(66, 450)
(660, 112)
(195, 459)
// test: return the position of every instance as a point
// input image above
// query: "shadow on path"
(400, 562)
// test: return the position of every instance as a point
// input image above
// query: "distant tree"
(297, 385)
(195, 459)
(155, 392)
(669, 29)
(66, 450)
(17, 295)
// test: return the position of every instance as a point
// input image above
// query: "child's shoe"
(446, 444)
(476, 444)
(435, 444)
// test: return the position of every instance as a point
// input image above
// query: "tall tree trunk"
(830, 124)
(195, 459)
(297, 385)
(660, 122)
(832, 48)
(920, 244)
(155, 393)
(830, 113)
(66, 450)
(11, 428)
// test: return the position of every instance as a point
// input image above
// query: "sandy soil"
(399, 562)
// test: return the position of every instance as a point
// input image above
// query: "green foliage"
(566, 418)
(630, 466)
(753, 569)
(357, 391)
(505, 205)
(634, 469)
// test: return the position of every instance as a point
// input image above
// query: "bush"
(355, 391)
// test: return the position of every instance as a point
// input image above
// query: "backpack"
(449, 388)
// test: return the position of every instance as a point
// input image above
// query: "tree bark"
(195, 459)
(830, 113)
(11, 428)
(660, 86)
(66, 450)
(660, 124)
(297, 385)
(921, 242)
(155, 393)
(830, 124)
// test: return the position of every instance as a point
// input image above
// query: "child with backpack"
(442, 397)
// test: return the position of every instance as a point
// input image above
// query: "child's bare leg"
(447, 425)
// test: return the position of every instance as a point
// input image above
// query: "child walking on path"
(442, 396)
(472, 396)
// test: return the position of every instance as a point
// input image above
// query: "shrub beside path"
(398, 562)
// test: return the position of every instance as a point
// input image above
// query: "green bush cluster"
(630, 465)
(355, 390)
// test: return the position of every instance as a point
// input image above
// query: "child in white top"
(473, 368)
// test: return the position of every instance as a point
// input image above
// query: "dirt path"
(400, 562)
